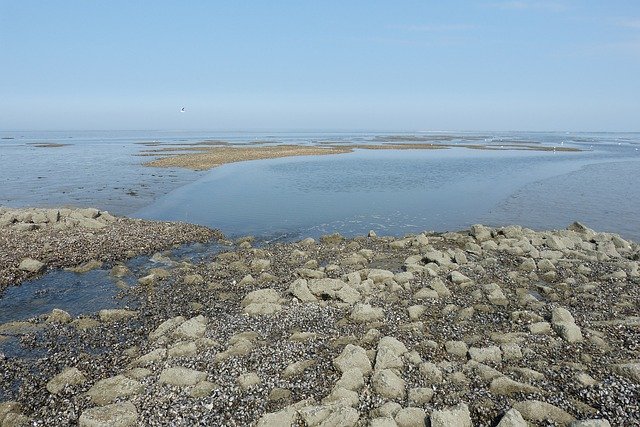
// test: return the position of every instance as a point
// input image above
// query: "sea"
(392, 192)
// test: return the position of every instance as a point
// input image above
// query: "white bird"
(182, 110)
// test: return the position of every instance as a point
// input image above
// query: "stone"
(152, 357)
(193, 279)
(570, 332)
(388, 384)
(342, 396)
(540, 328)
(327, 287)
(70, 376)
(191, 329)
(296, 368)
(630, 370)
(120, 270)
(440, 288)
(505, 386)
(486, 354)
(537, 411)
(456, 348)
(181, 377)
(425, 294)
(459, 278)
(352, 379)
(86, 267)
(353, 357)
(511, 351)
(137, 373)
(363, 313)
(261, 296)
(415, 311)
(246, 381)
(411, 417)
(512, 418)
(202, 389)
(121, 414)
(382, 422)
(386, 358)
(379, 275)
(457, 416)
(300, 290)
(480, 232)
(591, 423)
(183, 349)
(279, 394)
(420, 395)
(116, 314)
(31, 265)
(107, 390)
(262, 309)
(431, 373)
(58, 316)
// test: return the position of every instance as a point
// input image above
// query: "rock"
(7, 408)
(120, 270)
(388, 384)
(121, 414)
(300, 290)
(116, 314)
(415, 311)
(565, 326)
(425, 294)
(202, 389)
(107, 390)
(246, 381)
(330, 416)
(181, 377)
(486, 354)
(363, 313)
(261, 296)
(431, 373)
(352, 379)
(86, 267)
(540, 328)
(137, 373)
(537, 411)
(382, 422)
(420, 395)
(279, 394)
(629, 370)
(511, 351)
(70, 376)
(386, 358)
(353, 357)
(457, 416)
(411, 417)
(193, 279)
(296, 368)
(459, 278)
(166, 327)
(379, 275)
(342, 396)
(590, 423)
(285, 417)
(191, 329)
(440, 288)
(506, 387)
(585, 380)
(183, 349)
(31, 265)
(58, 316)
(480, 232)
(151, 357)
(456, 348)
(512, 418)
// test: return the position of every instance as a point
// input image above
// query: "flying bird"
(182, 110)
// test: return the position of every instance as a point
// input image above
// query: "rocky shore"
(506, 327)
(34, 240)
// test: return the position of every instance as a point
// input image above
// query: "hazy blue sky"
(376, 65)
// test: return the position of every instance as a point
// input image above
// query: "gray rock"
(512, 418)
(388, 384)
(363, 313)
(506, 387)
(456, 348)
(457, 416)
(181, 377)
(431, 373)
(590, 423)
(58, 316)
(352, 379)
(537, 411)
(121, 414)
(31, 265)
(486, 354)
(353, 357)
(116, 314)
(630, 370)
(420, 395)
(191, 329)
(411, 417)
(70, 376)
(246, 381)
(300, 290)
(107, 390)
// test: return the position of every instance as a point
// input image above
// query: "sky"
(534, 65)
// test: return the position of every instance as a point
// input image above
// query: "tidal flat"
(474, 327)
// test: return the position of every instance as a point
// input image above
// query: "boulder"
(457, 416)
(107, 390)
(537, 411)
(299, 288)
(121, 414)
(411, 417)
(181, 377)
(388, 384)
(70, 376)
(363, 313)
(31, 265)
(512, 418)
(353, 357)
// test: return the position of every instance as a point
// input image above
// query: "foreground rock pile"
(33, 240)
(506, 327)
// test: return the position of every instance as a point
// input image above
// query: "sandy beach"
(464, 328)
(202, 156)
